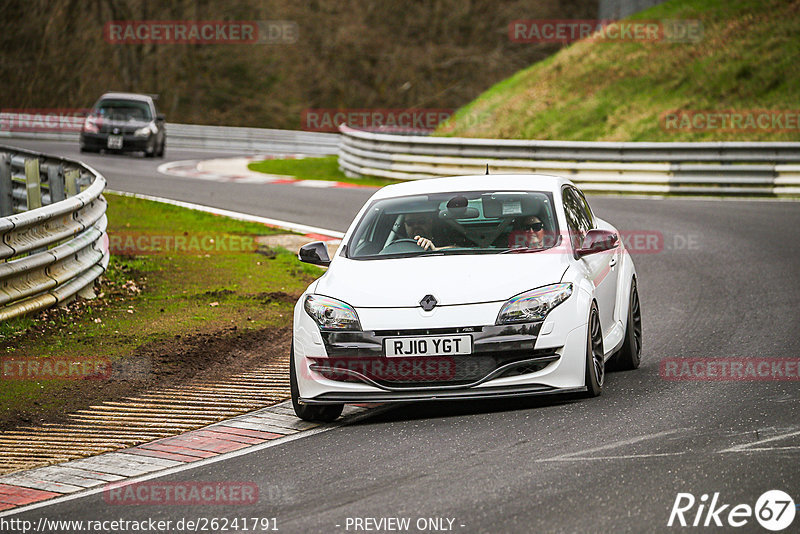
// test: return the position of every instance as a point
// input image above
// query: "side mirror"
(598, 241)
(315, 253)
(160, 117)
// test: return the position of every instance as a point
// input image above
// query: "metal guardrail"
(229, 138)
(53, 241)
(715, 168)
(251, 139)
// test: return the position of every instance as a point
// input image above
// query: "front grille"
(428, 331)
(427, 370)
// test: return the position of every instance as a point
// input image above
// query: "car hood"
(455, 279)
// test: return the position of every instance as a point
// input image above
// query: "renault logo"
(428, 302)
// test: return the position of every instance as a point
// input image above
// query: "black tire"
(595, 365)
(628, 356)
(316, 413)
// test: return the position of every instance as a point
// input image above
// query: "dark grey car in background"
(124, 122)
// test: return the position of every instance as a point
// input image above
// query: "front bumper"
(497, 351)
(130, 143)
(518, 360)
(417, 396)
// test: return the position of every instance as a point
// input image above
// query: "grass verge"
(325, 168)
(153, 304)
(746, 60)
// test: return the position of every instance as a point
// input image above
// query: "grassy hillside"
(748, 59)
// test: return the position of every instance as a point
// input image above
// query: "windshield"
(476, 222)
(123, 110)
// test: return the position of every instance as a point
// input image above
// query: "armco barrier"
(53, 241)
(717, 168)
(227, 138)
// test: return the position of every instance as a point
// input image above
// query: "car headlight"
(331, 314)
(145, 131)
(91, 125)
(533, 305)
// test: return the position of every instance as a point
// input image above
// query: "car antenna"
(487, 168)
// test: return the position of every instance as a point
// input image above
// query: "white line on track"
(751, 447)
(622, 457)
(579, 455)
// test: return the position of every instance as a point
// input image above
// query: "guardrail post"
(71, 182)
(32, 184)
(55, 179)
(6, 206)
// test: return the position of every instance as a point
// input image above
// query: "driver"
(419, 226)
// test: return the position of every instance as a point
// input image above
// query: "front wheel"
(316, 413)
(150, 150)
(595, 363)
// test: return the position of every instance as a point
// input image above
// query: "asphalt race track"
(725, 284)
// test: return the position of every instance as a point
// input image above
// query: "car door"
(601, 268)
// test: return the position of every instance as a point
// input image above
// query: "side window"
(577, 218)
(366, 234)
(586, 208)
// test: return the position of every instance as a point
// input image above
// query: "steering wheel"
(400, 246)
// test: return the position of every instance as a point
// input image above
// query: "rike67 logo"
(774, 510)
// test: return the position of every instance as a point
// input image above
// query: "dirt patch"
(211, 356)
(277, 296)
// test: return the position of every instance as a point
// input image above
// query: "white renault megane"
(465, 288)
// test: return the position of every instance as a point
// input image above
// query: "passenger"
(528, 233)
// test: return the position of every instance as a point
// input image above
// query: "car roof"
(127, 96)
(479, 182)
